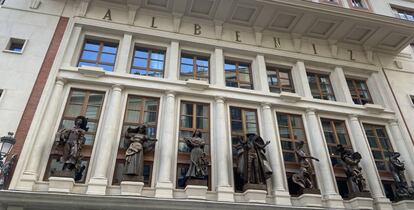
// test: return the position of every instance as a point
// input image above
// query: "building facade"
(322, 72)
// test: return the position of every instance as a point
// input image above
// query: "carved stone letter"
(153, 23)
(108, 15)
(197, 29)
(277, 42)
(238, 36)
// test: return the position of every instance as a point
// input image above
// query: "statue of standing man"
(197, 172)
(304, 177)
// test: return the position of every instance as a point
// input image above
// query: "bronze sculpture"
(303, 178)
(69, 146)
(353, 171)
(397, 169)
(198, 166)
(253, 167)
(137, 142)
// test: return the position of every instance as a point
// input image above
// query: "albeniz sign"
(231, 33)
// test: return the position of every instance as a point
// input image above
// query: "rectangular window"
(99, 53)
(148, 62)
(380, 145)
(291, 131)
(238, 74)
(80, 103)
(403, 14)
(243, 122)
(359, 91)
(15, 45)
(280, 80)
(320, 86)
(335, 133)
(412, 99)
(140, 110)
(194, 67)
(193, 116)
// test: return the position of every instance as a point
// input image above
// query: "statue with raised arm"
(69, 145)
(137, 143)
(303, 178)
(397, 168)
(199, 162)
(352, 169)
(253, 166)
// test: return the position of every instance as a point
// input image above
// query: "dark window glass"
(139, 110)
(358, 3)
(320, 86)
(99, 53)
(148, 62)
(359, 91)
(279, 80)
(194, 67)
(404, 14)
(238, 74)
(335, 133)
(16, 45)
(380, 145)
(80, 103)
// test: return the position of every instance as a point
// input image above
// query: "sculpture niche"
(353, 172)
(303, 178)
(253, 167)
(197, 172)
(69, 146)
(397, 168)
(137, 143)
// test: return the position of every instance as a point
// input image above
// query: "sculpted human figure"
(199, 163)
(397, 169)
(304, 177)
(253, 166)
(71, 140)
(137, 142)
(352, 169)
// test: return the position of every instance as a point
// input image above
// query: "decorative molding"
(374, 108)
(91, 71)
(197, 84)
(290, 97)
(34, 4)
(83, 7)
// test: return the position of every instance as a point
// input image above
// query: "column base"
(97, 186)
(27, 181)
(225, 194)
(131, 188)
(61, 184)
(196, 192)
(359, 203)
(310, 200)
(255, 196)
(282, 198)
(382, 203)
(334, 201)
(164, 190)
(403, 205)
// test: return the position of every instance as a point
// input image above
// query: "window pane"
(73, 110)
(186, 122)
(187, 109)
(150, 117)
(91, 112)
(91, 46)
(157, 55)
(107, 58)
(186, 69)
(157, 64)
(87, 55)
(109, 49)
(202, 110)
(202, 123)
(132, 116)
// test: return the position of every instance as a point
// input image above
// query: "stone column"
(164, 186)
(300, 80)
(71, 46)
(367, 163)
(173, 56)
(224, 189)
(323, 168)
(340, 86)
(273, 150)
(105, 144)
(123, 55)
(260, 74)
(43, 138)
(218, 73)
(402, 148)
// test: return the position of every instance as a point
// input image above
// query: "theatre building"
(323, 73)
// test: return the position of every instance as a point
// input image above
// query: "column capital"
(311, 110)
(393, 121)
(266, 105)
(219, 99)
(353, 117)
(170, 93)
(117, 87)
(60, 81)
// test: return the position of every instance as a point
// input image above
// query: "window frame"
(98, 62)
(148, 68)
(86, 151)
(195, 57)
(379, 147)
(237, 73)
(148, 157)
(399, 10)
(318, 76)
(13, 40)
(280, 87)
(365, 3)
(358, 90)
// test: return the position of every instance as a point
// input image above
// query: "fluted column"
(173, 56)
(323, 168)
(300, 80)
(164, 184)
(218, 73)
(43, 138)
(274, 153)
(402, 148)
(123, 55)
(224, 189)
(105, 144)
(367, 163)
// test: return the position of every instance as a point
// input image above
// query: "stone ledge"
(197, 84)
(290, 97)
(91, 71)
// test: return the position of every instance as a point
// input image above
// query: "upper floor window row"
(403, 14)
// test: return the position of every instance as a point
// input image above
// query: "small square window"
(15, 45)
(411, 99)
